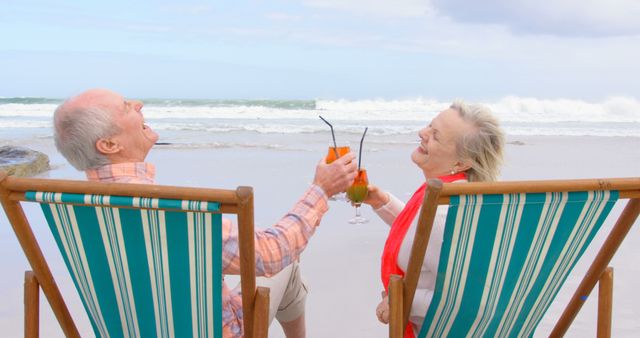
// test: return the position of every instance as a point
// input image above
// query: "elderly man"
(104, 134)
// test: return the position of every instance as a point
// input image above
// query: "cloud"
(572, 18)
(283, 17)
(380, 8)
(192, 9)
(583, 18)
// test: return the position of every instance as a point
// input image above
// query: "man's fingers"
(352, 165)
(347, 158)
(338, 175)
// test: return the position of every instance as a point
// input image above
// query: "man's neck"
(126, 172)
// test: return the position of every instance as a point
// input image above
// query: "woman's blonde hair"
(484, 147)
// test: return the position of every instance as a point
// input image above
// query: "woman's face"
(436, 154)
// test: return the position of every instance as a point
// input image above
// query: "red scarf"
(398, 232)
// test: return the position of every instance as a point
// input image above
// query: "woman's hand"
(376, 198)
(382, 310)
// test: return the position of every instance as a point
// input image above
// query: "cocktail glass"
(357, 192)
(333, 154)
(340, 151)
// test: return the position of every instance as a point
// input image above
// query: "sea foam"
(615, 116)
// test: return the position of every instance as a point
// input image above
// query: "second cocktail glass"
(357, 193)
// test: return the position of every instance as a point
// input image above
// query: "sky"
(327, 49)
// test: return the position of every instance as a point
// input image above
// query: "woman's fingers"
(382, 311)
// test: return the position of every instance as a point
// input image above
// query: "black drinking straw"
(360, 150)
(335, 145)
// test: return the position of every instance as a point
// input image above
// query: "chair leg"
(261, 313)
(605, 303)
(396, 327)
(31, 305)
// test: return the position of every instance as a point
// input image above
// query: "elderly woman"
(464, 143)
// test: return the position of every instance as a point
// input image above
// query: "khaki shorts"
(287, 293)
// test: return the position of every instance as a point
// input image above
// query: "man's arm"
(282, 244)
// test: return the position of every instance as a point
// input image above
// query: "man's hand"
(376, 198)
(337, 176)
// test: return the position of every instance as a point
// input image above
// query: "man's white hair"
(76, 132)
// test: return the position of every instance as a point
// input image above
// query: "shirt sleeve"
(421, 300)
(282, 244)
(390, 211)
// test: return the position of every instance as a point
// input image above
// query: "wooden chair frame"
(239, 202)
(401, 291)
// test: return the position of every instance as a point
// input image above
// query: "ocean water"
(267, 123)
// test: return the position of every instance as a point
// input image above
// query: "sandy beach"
(341, 263)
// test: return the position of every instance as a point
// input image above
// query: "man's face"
(135, 138)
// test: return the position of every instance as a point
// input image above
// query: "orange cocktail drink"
(357, 193)
(340, 151)
(358, 190)
(331, 156)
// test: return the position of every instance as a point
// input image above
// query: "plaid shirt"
(139, 172)
(276, 247)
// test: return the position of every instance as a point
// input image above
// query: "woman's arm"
(384, 204)
(390, 210)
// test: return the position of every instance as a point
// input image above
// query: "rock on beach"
(23, 162)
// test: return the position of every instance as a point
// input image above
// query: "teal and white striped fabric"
(504, 258)
(141, 271)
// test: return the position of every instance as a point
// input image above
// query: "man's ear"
(107, 146)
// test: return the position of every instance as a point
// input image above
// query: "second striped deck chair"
(507, 249)
(146, 259)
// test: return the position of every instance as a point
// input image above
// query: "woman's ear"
(462, 165)
(107, 146)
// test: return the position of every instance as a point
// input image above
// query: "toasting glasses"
(359, 189)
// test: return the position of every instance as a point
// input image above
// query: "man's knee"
(293, 302)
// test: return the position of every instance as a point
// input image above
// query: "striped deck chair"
(507, 249)
(146, 260)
